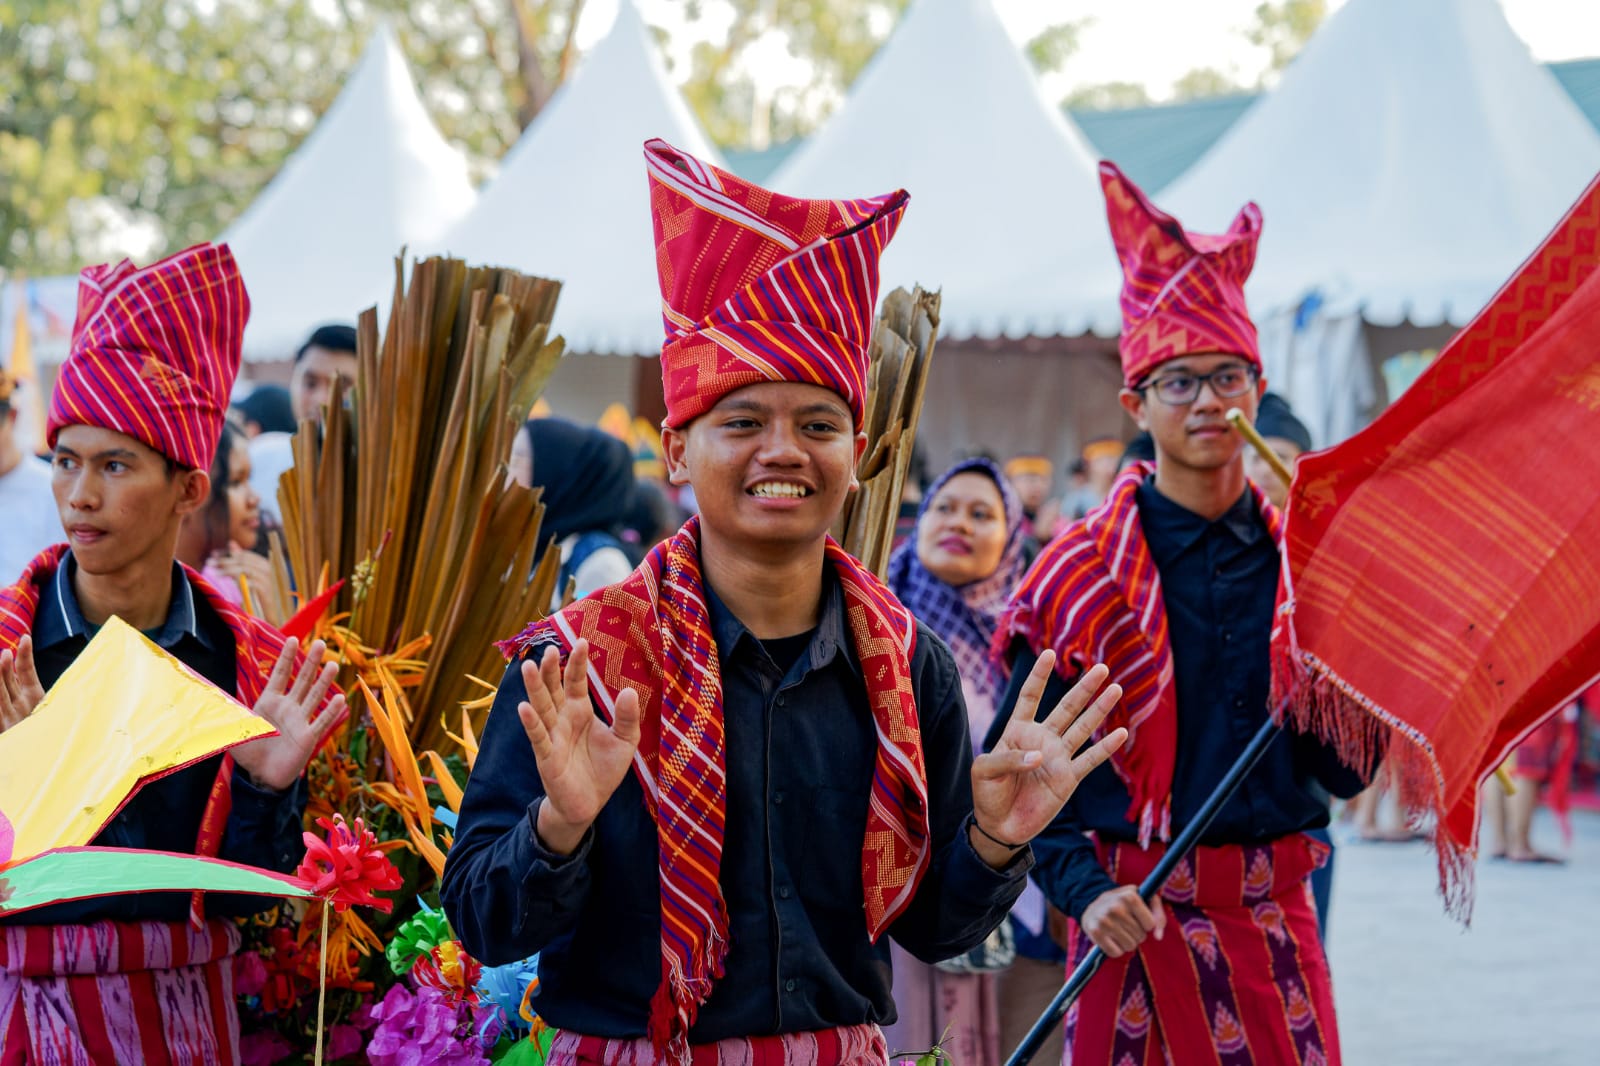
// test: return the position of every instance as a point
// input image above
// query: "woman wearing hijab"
(955, 575)
(586, 476)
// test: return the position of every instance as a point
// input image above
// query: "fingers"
(329, 720)
(27, 675)
(576, 678)
(1033, 688)
(1084, 764)
(538, 735)
(278, 680)
(625, 725)
(542, 681)
(319, 688)
(1078, 698)
(1007, 763)
(1119, 921)
(1088, 720)
(308, 672)
(1159, 912)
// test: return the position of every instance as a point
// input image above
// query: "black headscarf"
(586, 475)
(1275, 418)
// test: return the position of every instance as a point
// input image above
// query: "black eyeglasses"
(1183, 388)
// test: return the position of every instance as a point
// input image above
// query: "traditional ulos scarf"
(1182, 292)
(1094, 596)
(966, 616)
(257, 646)
(1239, 979)
(155, 351)
(652, 633)
(757, 286)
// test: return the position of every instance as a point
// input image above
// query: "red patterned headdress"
(1182, 292)
(155, 351)
(758, 287)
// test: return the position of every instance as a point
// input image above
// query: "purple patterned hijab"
(964, 617)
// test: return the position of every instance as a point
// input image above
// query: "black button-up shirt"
(1219, 583)
(263, 828)
(800, 752)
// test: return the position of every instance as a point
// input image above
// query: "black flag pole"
(1176, 853)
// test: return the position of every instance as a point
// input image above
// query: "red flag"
(1441, 583)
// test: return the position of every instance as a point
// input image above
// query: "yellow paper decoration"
(123, 712)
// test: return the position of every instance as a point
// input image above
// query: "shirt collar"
(60, 618)
(1171, 528)
(827, 641)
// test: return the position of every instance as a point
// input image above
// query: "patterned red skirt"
(854, 1045)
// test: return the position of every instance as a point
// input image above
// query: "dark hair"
(269, 407)
(335, 338)
(217, 518)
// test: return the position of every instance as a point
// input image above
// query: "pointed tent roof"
(1002, 183)
(1412, 156)
(318, 244)
(571, 201)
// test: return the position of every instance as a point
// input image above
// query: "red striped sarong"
(1239, 979)
(118, 992)
(852, 1045)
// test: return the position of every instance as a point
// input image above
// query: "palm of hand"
(276, 762)
(1018, 806)
(581, 759)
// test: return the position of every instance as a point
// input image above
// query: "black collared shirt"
(1219, 583)
(800, 752)
(263, 828)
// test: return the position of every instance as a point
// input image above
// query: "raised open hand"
(1020, 786)
(581, 759)
(20, 690)
(276, 762)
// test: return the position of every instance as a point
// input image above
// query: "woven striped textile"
(1439, 580)
(1182, 292)
(1094, 596)
(155, 351)
(1238, 979)
(757, 286)
(119, 992)
(856, 1045)
(652, 633)
(257, 646)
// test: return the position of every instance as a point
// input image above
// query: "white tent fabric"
(1320, 364)
(1412, 156)
(1003, 186)
(571, 201)
(318, 244)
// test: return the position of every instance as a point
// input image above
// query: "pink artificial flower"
(347, 868)
(249, 974)
(265, 1048)
(343, 1041)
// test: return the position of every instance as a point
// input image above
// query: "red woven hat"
(1182, 292)
(757, 287)
(155, 351)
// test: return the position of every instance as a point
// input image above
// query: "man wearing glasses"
(1172, 582)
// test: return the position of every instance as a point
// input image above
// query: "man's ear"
(860, 449)
(1133, 403)
(674, 449)
(194, 489)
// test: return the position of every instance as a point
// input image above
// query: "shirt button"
(783, 892)
(779, 700)
(777, 797)
(789, 985)
(1227, 637)
(1238, 701)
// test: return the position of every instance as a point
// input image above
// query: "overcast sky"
(1119, 46)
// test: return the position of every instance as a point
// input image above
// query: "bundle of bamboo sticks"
(897, 378)
(405, 489)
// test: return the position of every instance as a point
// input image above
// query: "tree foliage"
(1108, 96)
(1283, 28)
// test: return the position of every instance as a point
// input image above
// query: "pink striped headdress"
(757, 287)
(1182, 292)
(155, 351)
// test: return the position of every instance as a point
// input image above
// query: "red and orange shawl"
(652, 633)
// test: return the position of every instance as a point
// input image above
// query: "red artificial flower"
(449, 969)
(348, 867)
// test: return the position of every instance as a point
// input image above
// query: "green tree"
(1283, 28)
(1204, 81)
(1108, 96)
(1051, 47)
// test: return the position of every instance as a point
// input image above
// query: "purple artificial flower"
(421, 1028)
(265, 1048)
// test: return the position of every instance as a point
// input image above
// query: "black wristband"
(995, 839)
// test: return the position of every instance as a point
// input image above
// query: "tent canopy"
(1002, 184)
(318, 243)
(571, 201)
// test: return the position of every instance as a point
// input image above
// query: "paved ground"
(1521, 986)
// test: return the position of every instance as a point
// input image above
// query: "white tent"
(1413, 155)
(1003, 186)
(571, 202)
(318, 244)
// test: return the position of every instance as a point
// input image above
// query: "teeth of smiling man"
(781, 490)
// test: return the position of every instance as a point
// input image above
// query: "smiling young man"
(1171, 583)
(137, 410)
(755, 766)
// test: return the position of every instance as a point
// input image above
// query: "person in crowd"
(955, 576)
(753, 767)
(1101, 460)
(1141, 449)
(223, 539)
(1539, 768)
(1033, 477)
(30, 524)
(267, 409)
(329, 354)
(1172, 583)
(586, 479)
(137, 411)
